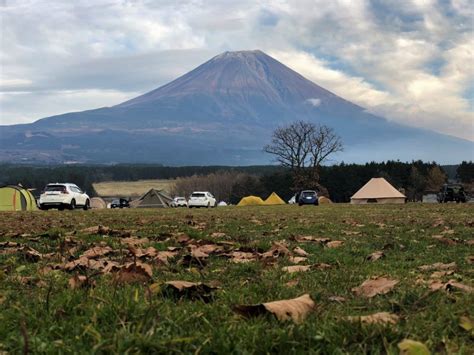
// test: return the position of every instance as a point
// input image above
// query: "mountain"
(222, 112)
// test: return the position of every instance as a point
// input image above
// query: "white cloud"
(315, 102)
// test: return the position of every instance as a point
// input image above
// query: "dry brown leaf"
(133, 241)
(96, 230)
(297, 259)
(292, 283)
(218, 235)
(376, 255)
(97, 251)
(296, 268)
(31, 254)
(277, 250)
(438, 266)
(143, 253)
(134, 272)
(296, 309)
(335, 244)
(376, 318)
(164, 256)
(183, 238)
(454, 285)
(299, 251)
(321, 266)
(444, 240)
(310, 238)
(240, 257)
(470, 259)
(210, 248)
(441, 274)
(377, 286)
(84, 263)
(80, 281)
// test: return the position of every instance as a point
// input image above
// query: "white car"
(201, 199)
(63, 195)
(179, 202)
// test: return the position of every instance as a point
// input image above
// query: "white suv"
(179, 202)
(201, 199)
(63, 195)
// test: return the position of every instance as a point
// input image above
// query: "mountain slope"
(222, 112)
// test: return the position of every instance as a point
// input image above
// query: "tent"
(378, 190)
(152, 199)
(222, 204)
(98, 203)
(274, 199)
(16, 198)
(251, 201)
(323, 200)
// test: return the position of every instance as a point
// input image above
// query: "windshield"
(198, 194)
(58, 188)
(180, 199)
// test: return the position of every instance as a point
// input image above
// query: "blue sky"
(409, 61)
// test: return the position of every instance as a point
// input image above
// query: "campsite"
(102, 279)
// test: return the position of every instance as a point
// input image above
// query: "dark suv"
(452, 192)
(307, 197)
(120, 203)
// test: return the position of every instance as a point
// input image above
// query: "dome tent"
(98, 203)
(251, 201)
(324, 200)
(152, 199)
(274, 199)
(16, 198)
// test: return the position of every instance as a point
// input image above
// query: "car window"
(115, 202)
(59, 188)
(198, 194)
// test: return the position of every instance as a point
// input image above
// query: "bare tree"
(303, 147)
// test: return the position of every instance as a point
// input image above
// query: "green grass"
(52, 318)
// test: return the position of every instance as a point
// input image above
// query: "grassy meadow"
(130, 188)
(70, 288)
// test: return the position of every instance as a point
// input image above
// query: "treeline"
(231, 183)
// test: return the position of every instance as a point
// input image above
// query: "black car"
(307, 197)
(452, 192)
(120, 203)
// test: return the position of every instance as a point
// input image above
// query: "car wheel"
(86, 206)
(72, 205)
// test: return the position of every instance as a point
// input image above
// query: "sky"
(410, 61)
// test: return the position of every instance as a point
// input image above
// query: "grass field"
(51, 301)
(130, 188)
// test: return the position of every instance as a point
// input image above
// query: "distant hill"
(222, 112)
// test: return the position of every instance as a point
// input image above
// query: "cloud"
(409, 61)
(315, 102)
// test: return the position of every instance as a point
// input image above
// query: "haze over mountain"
(222, 112)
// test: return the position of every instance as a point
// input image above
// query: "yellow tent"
(16, 198)
(323, 199)
(251, 201)
(274, 199)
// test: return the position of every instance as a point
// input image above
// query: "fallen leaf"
(376, 255)
(134, 241)
(80, 281)
(467, 324)
(134, 272)
(218, 235)
(321, 266)
(277, 250)
(438, 266)
(412, 347)
(97, 251)
(454, 285)
(441, 274)
(296, 309)
(164, 256)
(297, 259)
(292, 283)
(310, 238)
(299, 251)
(372, 287)
(444, 240)
(470, 259)
(95, 230)
(296, 268)
(335, 244)
(376, 318)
